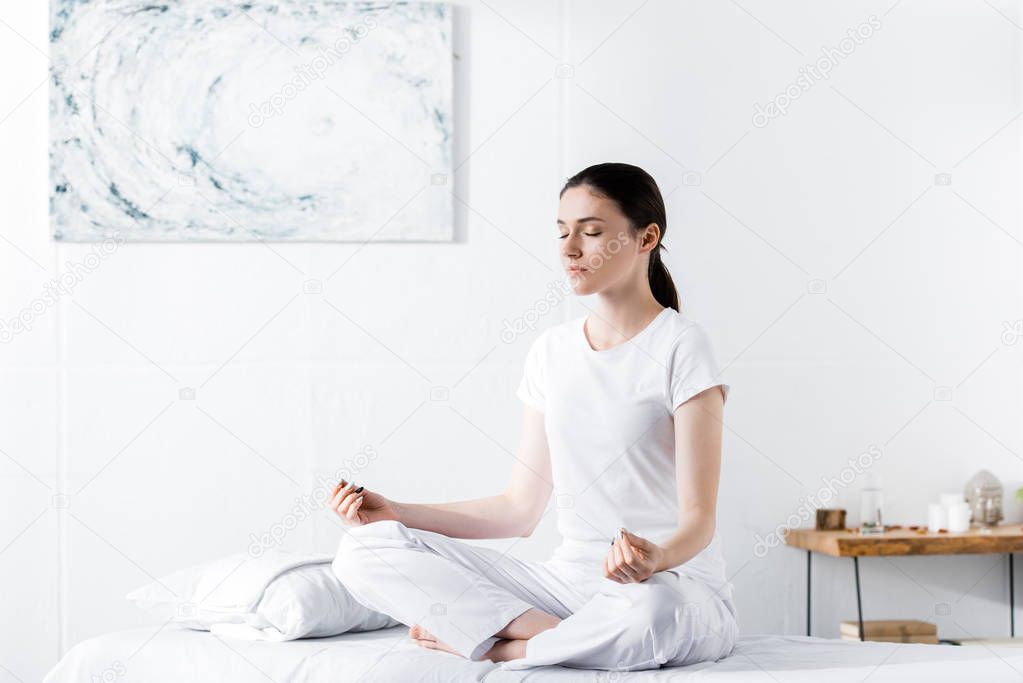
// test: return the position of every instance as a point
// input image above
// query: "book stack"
(891, 631)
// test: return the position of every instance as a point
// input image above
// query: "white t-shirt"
(610, 429)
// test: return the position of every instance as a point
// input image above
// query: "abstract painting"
(278, 121)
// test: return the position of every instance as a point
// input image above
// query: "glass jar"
(984, 494)
(871, 503)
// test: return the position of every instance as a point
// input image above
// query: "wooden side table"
(1006, 539)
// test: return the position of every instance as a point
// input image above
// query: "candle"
(937, 516)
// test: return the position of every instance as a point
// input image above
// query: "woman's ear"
(651, 235)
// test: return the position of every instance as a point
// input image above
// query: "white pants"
(464, 594)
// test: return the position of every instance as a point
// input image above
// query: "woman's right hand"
(358, 505)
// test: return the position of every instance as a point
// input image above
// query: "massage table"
(175, 654)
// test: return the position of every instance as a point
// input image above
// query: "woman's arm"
(515, 512)
(697, 472)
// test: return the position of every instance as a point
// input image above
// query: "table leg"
(859, 604)
(1012, 601)
(808, 555)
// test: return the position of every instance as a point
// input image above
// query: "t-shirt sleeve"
(532, 387)
(692, 367)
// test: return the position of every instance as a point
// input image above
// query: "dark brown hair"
(637, 196)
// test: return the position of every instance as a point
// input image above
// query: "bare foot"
(512, 638)
(424, 638)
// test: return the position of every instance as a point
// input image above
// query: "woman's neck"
(612, 322)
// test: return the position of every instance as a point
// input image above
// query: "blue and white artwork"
(285, 120)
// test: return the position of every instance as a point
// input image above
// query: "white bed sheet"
(173, 654)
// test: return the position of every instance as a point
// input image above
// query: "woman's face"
(597, 245)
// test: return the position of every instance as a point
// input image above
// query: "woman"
(623, 426)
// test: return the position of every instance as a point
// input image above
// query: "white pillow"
(312, 602)
(277, 596)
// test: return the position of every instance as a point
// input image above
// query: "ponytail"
(661, 284)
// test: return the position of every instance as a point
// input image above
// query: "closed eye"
(588, 234)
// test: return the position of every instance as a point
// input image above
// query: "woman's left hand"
(632, 559)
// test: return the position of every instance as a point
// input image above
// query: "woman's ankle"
(506, 649)
(528, 624)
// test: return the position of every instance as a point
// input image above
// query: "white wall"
(917, 282)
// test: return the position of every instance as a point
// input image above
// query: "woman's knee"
(361, 541)
(659, 604)
(702, 627)
(709, 645)
(366, 534)
(671, 625)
